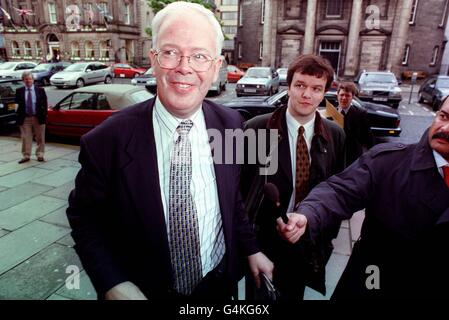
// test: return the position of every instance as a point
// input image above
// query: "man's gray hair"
(180, 8)
(26, 74)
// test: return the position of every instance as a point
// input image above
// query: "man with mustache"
(401, 252)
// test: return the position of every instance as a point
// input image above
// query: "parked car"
(43, 71)
(82, 73)
(220, 84)
(125, 70)
(262, 81)
(8, 105)
(85, 108)
(433, 90)
(282, 72)
(379, 87)
(14, 69)
(147, 79)
(384, 120)
(234, 73)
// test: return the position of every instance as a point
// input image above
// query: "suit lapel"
(284, 155)
(141, 175)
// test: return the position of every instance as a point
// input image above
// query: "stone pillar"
(445, 58)
(309, 35)
(399, 35)
(269, 34)
(353, 39)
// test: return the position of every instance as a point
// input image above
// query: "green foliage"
(158, 5)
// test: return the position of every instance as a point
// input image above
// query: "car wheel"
(435, 105)
(219, 89)
(80, 83)
(420, 98)
(238, 95)
(224, 86)
(108, 80)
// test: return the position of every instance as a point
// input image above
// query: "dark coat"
(405, 233)
(41, 105)
(116, 211)
(358, 133)
(327, 158)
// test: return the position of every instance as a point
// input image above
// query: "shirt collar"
(439, 160)
(32, 87)
(293, 125)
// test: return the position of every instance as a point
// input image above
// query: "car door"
(102, 70)
(74, 115)
(91, 75)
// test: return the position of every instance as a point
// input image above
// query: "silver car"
(14, 69)
(82, 73)
(258, 81)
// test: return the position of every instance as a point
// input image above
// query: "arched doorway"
(53, 48)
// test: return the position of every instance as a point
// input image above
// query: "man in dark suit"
(359, 137)
(152, 216)
(31, 117)
(310, 148)
(404, 239)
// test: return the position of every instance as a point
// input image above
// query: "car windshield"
(149, 71)
(232, 69)
(258, 73)
(42, 67)
(76, 67)
(377, 77)
(140, 96)
(282, 71)
(7, 65)
(443, 83)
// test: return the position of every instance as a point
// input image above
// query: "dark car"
(379, 87)
(8, 105)
(43, 71)
(147, 79)
(384, 120)
(434, 90)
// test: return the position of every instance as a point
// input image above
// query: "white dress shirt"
(203, 187)
(293, 126)
(440, 161)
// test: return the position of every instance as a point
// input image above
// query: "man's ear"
(152, 56)
(217, 66)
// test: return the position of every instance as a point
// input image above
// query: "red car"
(124, 70)
(234, 73)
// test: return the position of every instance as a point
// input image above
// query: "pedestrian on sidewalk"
(152, 216)
(31, 117)
(402, 249)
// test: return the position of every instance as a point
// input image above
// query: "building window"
(240, 15)
(443, 16)
(406, 54)
(15, 48)
(413, 12)
(239, 49)
(334, 8)
(229, 15)
(126, 13)
(27, 51)
(52, 13)
(229, 29)
(104, 50)
(262, 14)
(434, 55)
(104, 8)
(229, 2)
(89, 49)
(292, 9)
(76, 52)
(38, 49)
(260, 50)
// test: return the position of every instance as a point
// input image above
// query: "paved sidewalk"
(36, 249)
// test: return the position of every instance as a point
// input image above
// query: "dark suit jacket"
(116, 212)
(405, 233)
(358, 133)
(327, 158)
(41, 105)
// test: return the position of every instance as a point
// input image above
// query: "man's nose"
(184, 64)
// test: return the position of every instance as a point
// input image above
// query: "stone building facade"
(73, 30)
(396, 35)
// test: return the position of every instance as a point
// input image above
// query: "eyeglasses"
(170, 59)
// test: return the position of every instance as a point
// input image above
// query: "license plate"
(380, 99)
(12, 106)
(122, 75)
(250, 90)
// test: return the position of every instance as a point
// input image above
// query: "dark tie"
(446, 174)
(302, 167)
(343, 112)
(29, 103)
(183, 220)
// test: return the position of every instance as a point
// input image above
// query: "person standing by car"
(356, 125)
(31, 117)
(310, 149)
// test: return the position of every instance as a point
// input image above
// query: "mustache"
(441, 135)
